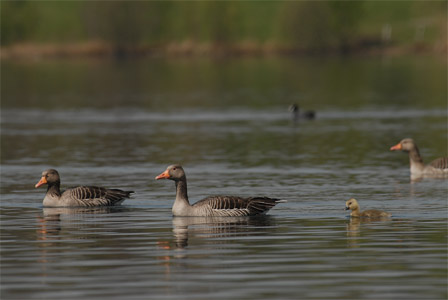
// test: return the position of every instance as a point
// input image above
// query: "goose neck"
(355, 212)
(415, 160)
(54, 189)
(181, 191)
(414, 155)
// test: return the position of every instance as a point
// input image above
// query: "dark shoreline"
(97, 49)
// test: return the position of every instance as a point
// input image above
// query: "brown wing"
(95, 196)
(440, 163)
(260, 205)
(241, 206)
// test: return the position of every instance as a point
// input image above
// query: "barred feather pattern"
(227, 206)
(89, 196)
(440, 163)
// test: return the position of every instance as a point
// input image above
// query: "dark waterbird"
(297, 114)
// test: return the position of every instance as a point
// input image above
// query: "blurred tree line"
(307, 25)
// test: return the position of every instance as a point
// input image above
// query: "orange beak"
(164, 175)
(41, 182)
(396, 147)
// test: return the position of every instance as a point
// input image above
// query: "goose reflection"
(70, 221)
(217, 228)
(51, 211)
(53, 219)
(415, 178)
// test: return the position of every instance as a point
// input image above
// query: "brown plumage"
(81, 196)
(214, 205)
(238, 205)
(353, 205)
(440, 163)
(438, 167)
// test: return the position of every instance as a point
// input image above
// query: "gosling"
(371, 213)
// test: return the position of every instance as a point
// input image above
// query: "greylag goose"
(295, 110)
(78, 196)
(219, 206)
(438, 167)
(371, 213)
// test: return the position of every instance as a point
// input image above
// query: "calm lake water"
(119, 124)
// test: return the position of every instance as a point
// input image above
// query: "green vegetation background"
(307, 25)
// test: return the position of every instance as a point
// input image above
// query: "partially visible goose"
(78, 196)
(219, 206)
(438, 167)
(371, 213)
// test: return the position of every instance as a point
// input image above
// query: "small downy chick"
(353, 205)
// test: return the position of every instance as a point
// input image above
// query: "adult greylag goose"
(219, 206)
(371, 213)
(80, 196)
(438, 167)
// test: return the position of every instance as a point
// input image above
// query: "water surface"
(120, 125)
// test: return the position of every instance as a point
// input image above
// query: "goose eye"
(174, 169)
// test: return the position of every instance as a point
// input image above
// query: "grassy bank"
(189, 48)
(120, 28)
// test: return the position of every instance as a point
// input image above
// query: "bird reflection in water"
(212, 230)
(220, 229)
(354, 225)
(217, 228)
(55, 219)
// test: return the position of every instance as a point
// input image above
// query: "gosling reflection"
(354, 226)
(216, 228)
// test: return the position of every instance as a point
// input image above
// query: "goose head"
(405, 145)
(173, 172)
(351, 204)
(50, 177)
